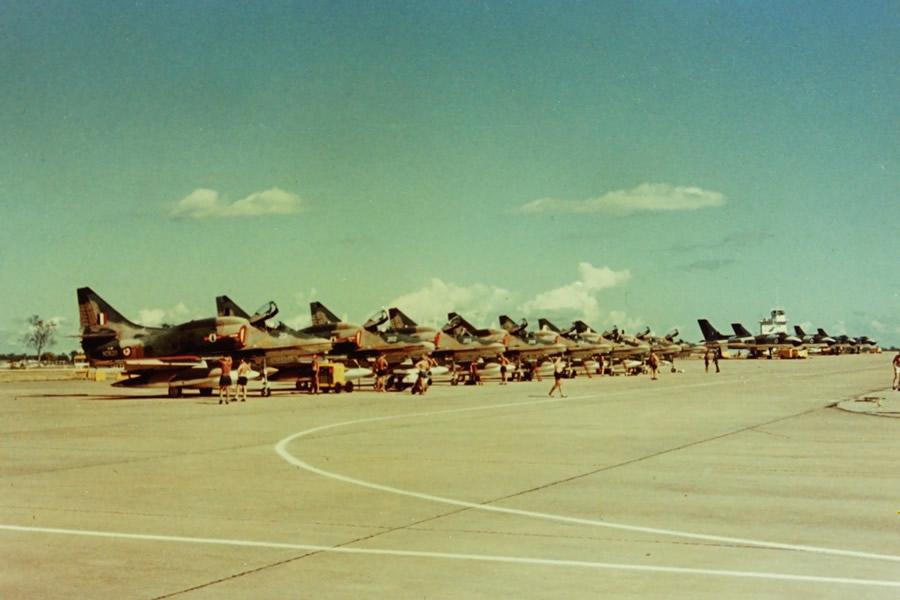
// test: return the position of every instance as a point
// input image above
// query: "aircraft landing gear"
(174, 392)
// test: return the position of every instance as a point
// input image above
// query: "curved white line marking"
(281, 446)
(452, 556)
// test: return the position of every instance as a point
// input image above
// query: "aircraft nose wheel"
(265, 392)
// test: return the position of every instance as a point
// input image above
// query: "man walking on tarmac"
(653, 363)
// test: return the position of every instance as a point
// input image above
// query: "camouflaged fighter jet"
(453, 344)
(666, 346)
(578, 347)
(279, 365)
(527, 344)
(626, 346)
(365, 341)
(176, 357)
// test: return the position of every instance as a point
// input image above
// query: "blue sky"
(626, 163)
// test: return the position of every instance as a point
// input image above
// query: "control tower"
(775, 323)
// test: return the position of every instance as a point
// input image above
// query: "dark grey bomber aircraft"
(180, 356)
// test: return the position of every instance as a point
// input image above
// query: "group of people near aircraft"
(390, 346)
(192, 354)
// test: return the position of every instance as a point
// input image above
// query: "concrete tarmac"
(750, 483)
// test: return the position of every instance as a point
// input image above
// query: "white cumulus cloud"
(578, 299)
(154, 317)
(647, 197)
(478, 303)
(204, 203)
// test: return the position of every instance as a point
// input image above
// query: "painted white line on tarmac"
(281, 449)
(453, 556)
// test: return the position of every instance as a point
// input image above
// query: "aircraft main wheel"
(206, 391)
(265, 392)
(348, 387)
(174, 392)
(338, 388)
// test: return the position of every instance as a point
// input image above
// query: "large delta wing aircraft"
(853, 345)
(365, 341)
(713, 338)
(454, 345)
(176, 357)
(815, 340)
(577, 347)
(283, 364)
(526, 344)
(765, 342)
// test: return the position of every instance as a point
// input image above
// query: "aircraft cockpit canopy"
(375, 320)
(264, 312)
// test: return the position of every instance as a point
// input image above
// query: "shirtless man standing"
(242, 371)
(225, 380)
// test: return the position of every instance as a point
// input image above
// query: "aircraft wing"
(169, 363)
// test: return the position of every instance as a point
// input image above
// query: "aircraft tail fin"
(546, 325)
(581, 326)
(455, 321)
(740, 330)
(399, 320)
(508, 324)
(95, 313)
(822, 332)
(226, 307)
(799, 331)
(710, 333)
(321, 315)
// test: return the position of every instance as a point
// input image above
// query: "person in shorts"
(225, 380)
(653, 363)
(381, 371)
(504, 365)
(243, 371)
(558, 371)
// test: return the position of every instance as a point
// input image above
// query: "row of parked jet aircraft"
(184, 355)
(769, 342)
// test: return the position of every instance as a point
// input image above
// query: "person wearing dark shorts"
(381, 371)
(558, 369)
(242, 371)
(504, 362)
(225, 380)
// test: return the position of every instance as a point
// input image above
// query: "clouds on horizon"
(647, 197)
(205, 203)
(154, 317)
(481, 303)
(579, 298)
(478, 303)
